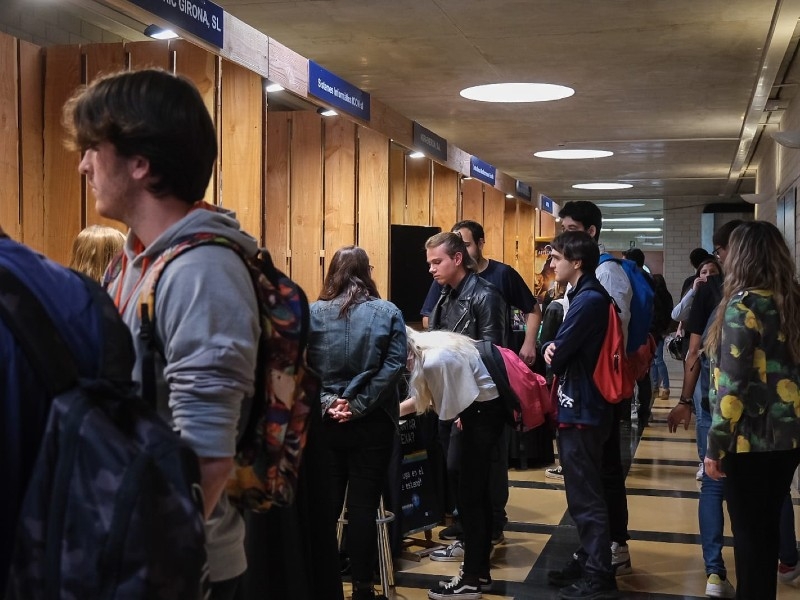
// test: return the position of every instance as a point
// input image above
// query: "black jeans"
(614, 480)
(756, 485)
(483, 424)
(360, 451)
(581, 459)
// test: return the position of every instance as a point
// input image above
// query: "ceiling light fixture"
(627, 219)
(620, 204)
(327, 112)
(789, 139)
(416, 154)
(602, 186)
(756, 198)
(159, 33)
(572, 154)
(629, 229)
(517, 92)
(274, 87)
(509, 196)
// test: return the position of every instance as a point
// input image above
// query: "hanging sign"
(524, 190)
(337, 92)
(199, 17)
(430, 143)
(546, 204)
(481, 170)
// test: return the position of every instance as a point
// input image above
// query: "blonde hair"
(759, 259)
(94, 248)
(418, 343)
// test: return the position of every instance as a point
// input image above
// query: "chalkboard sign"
(418, 499)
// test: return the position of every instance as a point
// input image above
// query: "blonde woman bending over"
(94, 248)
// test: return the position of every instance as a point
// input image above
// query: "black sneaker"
(571, 573)
(453, 532)
(455, 588)
(590, 588)
(486, 582)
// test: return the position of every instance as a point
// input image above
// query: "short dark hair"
(723, 234)
(636, 255)
(475, 228)
(697, 256)
(453, 244)
(150, 113)
(578, 245)
(584, 212)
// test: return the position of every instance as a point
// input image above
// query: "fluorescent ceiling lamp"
(274, 87)
(416, 154)
(327, 112)
(517, 92)
(634, 229)
(627, 219)
(159, 33)
(602, 186)
(572, 154)
(620, 204)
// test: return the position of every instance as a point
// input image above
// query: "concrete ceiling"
(676, 89)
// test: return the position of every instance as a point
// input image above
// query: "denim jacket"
(360, 356)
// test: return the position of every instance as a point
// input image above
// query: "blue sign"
(199, 17)
(337, 92)
(481, 170)
(429, 142)
(524, 190)
(547, 204)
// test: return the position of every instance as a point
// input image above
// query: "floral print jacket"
(754, 382)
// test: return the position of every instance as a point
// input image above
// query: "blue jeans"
(658, 371)
(709, 510)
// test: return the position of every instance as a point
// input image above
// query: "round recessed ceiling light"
(602, 186)
(572, 154)
(517, 92)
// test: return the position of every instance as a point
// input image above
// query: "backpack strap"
(36, 333)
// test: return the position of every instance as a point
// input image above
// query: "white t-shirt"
(454, 383)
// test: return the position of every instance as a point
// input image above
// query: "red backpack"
(612, 377)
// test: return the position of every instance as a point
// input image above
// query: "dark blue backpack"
(641, 302)
(114, 506)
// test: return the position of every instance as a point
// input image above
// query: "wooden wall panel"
(31, 75)
(510, 236)
(397, 184)
(62, 183)
(241, 143)
(493, 218)
(445, 197)
(418, 191)
(10, 218)
(155, 54)
(306, 201)
(525, 236)
(276, 190)
(471, 200)
(201, 67)
(339, 226)
(101, 59)
(373, 203)
(547, 225)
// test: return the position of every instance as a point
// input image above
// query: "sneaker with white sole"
(453, 553)
(717, 587)
(554, 473)
(700, 472)
(486, 582)
(787, 574)
(455, 588)
(620, 559)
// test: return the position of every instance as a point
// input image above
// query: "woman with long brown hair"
(754, 440)
(357, 343)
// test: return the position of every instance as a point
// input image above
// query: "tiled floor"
(665, 545)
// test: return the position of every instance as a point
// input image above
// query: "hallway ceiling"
(676, 89)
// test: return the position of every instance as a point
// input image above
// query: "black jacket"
(476, 310)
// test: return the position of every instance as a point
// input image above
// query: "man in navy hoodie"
(584, 416)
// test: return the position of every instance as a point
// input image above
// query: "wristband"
(686, 402)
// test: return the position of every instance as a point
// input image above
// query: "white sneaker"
(554, 473)
(453, 553)
(788, 574)
(716, 587)
(700, 472)
(620, 559)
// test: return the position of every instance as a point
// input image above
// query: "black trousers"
(616, 497)
(756, 485)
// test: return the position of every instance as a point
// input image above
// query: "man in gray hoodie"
(149, 146)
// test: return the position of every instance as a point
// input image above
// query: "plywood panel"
(547, 225)
(62, 183)
(241, 145)
(9, 139)
(493, 219)
(306, 201)
(373, 203)
(525, 249)
(101, 59)
(339, 227)
(397, 184)
(31, 73)
(418, 191)
(276, 191)
(472, 200)
(153, 54)
(510, 231)
(445, 197)
(201, 67)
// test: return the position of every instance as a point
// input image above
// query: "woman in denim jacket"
(357, 344)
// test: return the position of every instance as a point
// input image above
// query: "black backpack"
(114, 505)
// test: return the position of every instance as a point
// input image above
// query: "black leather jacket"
(478, 311)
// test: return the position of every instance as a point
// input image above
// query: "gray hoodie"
(207, 323)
